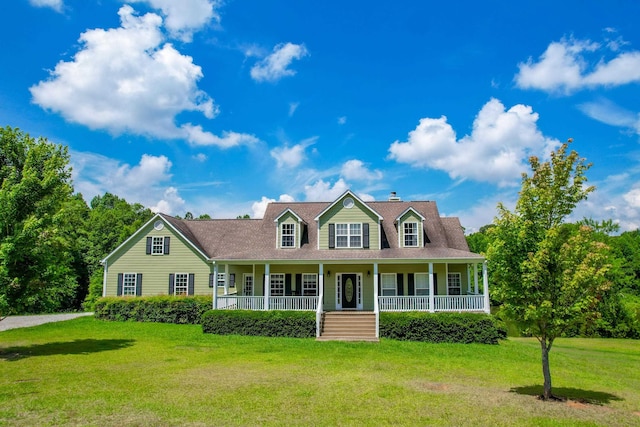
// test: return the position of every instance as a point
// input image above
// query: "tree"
(36, 249)
(245, 216)
(548, 275)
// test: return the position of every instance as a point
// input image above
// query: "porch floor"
(348, 326)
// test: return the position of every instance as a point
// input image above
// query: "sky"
(221, 106)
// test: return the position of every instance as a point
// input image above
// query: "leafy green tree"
(548, 275)
(37, 271)
(479, 241)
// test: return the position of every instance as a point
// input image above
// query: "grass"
(89, 372)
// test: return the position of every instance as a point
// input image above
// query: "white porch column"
(432, 300)
(475, 278)
(485, 288)
(267, 287)
(468, 279)
(376, 293)
(226, 280)
(215, 286)
(320, 283)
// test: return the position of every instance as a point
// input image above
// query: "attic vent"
(393, 197)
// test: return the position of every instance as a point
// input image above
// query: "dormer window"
(348, 235)
(288, 235)
(410, 234)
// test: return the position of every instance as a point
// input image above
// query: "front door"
(349, 291)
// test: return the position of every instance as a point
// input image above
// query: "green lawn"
(89, 372)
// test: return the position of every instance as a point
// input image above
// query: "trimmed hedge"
(161, 309)
(272, 323)
(442, 327)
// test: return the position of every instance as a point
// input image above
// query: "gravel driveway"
(13, 322)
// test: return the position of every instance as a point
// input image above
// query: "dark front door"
(349, 290)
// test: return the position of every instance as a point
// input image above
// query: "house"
(347, 257)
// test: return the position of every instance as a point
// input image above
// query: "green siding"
(359, 213)
(155, 269)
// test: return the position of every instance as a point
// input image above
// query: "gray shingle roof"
(255, 239)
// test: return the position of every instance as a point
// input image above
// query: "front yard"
(89, 372)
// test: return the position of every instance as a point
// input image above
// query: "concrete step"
(348, 326)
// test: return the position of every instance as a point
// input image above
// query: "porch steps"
(348, 326)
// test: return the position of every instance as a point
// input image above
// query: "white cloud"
(355, 170)
(258, 208)
(608, 112)
(293, 106)
(56, 5)
(322, 191)
(342, 120)
(291, 157)
(632, 197)
(274, 67)
(496, 151)
(126, 80)
(184, 17)
(201, 157)
(146, 183)
(196, 136)
(565, 67)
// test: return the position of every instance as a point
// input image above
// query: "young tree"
(547, 274)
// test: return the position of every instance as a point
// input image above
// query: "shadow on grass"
(69, 347)
(564, 393)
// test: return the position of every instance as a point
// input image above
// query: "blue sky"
(221, 106)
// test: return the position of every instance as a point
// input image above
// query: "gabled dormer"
(410, 225)
(348, 223)
(290, 230)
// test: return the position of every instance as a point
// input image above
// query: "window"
(388, 284)
(288, 235)
(277, 285)
(421, 284)
(129, 284)
(411, 234)
(221, 280)
(248, 285)
(157, 245)
(349, 235)
(181, 284)
(453, 284)
(309, 284)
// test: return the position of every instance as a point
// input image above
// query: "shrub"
(442, 327)
(161, 309)
(272, 323)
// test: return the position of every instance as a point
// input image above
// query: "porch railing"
(441, 303)
(234, 302)
(293, 303)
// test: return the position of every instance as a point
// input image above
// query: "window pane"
(129, 284)
(288, 235)
(422, 283)
(309, 284)
(388, 284)
(181, 283)
(277, 285)
(157, 245)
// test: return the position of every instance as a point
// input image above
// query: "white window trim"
(405, 234)
(415, 283)
(186, 283)
(221, 280)
(135, 284)
(348, 235)
(281, 278)
(395, 284)
(154, 245)
(449, 274)
(315, 278)
(282, 235)
(246, 276)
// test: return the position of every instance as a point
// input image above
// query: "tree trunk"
(546, 395)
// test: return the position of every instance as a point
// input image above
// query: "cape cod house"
(346, 258)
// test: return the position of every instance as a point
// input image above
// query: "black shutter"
(379, 284)
(298, 284)
(332, 236)
(167, 240)
(191, 285)
(148, 245)
(139, 284)
(435, 283)
(171, 283)
(211, 281)
(120, 279)
(411, 284)
(287, 284)
(365, 235)
(400, 284)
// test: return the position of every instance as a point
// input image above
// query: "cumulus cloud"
(496, 151)
(355, 170)
(56, 5)
(608, 112)
(291, 157)
(258, 208)
(322, 191)
(570, 65)
(342, 120)
(148, 182)
(184, 17)
(126, 80)
(275, 66)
